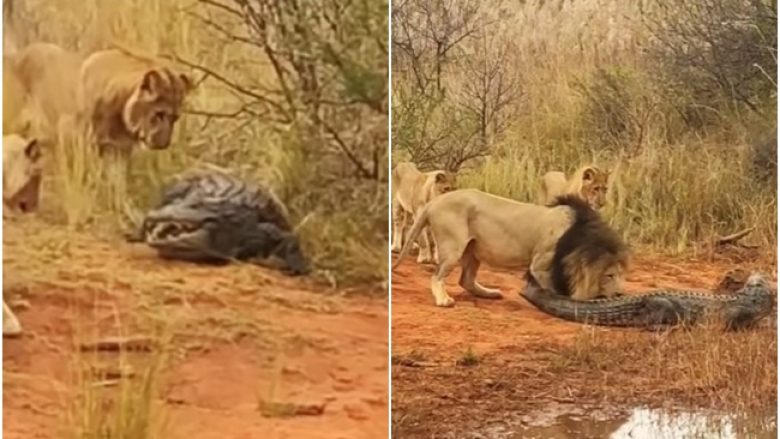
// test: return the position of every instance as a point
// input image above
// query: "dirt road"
(521, 359)
(252, 353)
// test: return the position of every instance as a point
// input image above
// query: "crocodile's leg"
(469, 267)
(290, 251)
(267, 239)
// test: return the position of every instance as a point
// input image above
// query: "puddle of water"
(563, 422)
(644, 423)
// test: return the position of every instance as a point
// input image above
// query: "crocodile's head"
(181, 231)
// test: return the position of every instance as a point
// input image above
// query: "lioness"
(130, 99)
(21, 188)
(412, 189)
(48, 78)
(588, 182)
(22, 170)
(14, 100)
(569, 248)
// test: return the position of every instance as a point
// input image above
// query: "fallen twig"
(734, 237)
(116, 344)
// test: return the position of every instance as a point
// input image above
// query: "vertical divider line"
(389, 217)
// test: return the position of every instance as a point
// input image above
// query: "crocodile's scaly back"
(660, 308)
(220, 187)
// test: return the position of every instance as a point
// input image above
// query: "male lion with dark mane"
(568, 248)
(588, 182)
(130, 99)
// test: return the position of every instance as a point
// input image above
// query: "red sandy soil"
(434, 397)
(243, 334)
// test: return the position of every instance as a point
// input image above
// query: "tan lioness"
(22, 171)
(14, 101)
(412, 189)
(588, 182)
(568, 247)
(130, 99)
(48, 78)
(21, 188)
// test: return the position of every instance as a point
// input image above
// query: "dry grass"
(702, 367)
(118, 395)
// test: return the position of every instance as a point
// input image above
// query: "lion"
(412, 189)
(588, 182)
(567, 247)
(43, 79)
(22, 172)
(14, 101)
(130, 100)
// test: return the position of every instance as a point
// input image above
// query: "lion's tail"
(419, 223)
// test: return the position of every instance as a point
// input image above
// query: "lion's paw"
(445, 302)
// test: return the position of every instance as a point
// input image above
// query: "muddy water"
(561, 422)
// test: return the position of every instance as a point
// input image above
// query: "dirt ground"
(517, 347)
(242, 337)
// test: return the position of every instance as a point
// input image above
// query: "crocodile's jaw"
(193, 244)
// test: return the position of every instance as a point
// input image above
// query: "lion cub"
(588, 182)
(21, 188)
(412, 189)
(567, 247)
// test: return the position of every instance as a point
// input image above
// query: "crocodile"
(214, 217)
(661, 308)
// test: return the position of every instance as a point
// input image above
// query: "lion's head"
(22, 170)
(444, 181)
(153, 108)
(592, 182)
(590, 258)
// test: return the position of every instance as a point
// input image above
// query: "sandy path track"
(242, 334)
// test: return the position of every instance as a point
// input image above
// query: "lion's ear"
(441, 177)
(152, 82)
(186, 81)
(33, 150)
(588, 174)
